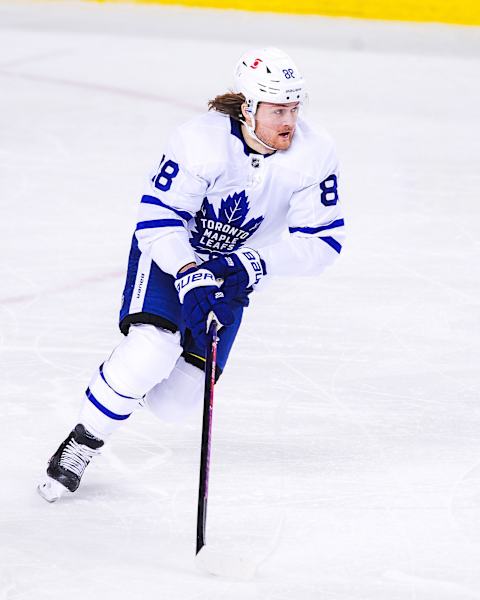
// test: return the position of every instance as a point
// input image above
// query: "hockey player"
(243, 192)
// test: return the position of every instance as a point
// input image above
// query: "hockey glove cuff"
(193, 278)
(199, 294)
(239, 270)
(252, 263)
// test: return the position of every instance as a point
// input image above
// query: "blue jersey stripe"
(337, 246)
(159, 223)
(153, 200)
(104, 409)
(118, 394)
(334, 225)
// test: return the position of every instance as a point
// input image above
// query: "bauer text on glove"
(239, 270)
(199, 294)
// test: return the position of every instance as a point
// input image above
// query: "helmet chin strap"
(251, 133)
(252, 109)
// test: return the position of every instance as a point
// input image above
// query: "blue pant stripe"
(104, 409)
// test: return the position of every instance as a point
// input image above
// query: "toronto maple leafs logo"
(226, 231)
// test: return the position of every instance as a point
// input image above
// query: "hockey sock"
(105, 408)
(176, 398)
(144, 358)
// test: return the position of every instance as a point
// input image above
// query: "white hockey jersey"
(212, 194)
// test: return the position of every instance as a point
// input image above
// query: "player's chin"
(283, 141)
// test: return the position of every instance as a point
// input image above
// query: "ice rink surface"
(346, 455)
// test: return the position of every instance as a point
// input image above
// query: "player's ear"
(246, 114)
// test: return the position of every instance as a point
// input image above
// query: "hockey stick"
(210, 368)
(215, 562)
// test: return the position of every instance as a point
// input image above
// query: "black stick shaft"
(210, 369)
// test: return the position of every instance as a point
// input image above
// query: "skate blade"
(51, 490)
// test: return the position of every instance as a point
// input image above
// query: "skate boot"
(66, 467)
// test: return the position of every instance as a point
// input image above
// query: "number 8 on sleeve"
(168, 172)
(329, 193)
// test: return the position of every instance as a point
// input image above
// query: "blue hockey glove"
(199, 294)
(239, 270)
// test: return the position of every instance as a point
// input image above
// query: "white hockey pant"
(145, 365)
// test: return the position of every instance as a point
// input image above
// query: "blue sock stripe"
(118, 394)
(104, 409)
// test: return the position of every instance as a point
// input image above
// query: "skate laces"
(75, 457)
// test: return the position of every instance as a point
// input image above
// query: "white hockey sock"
(176, 398)
(144, 358)
(104, 409)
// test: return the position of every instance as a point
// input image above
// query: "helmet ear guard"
(251, 106)
(251, 110)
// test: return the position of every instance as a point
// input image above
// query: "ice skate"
(66, 467)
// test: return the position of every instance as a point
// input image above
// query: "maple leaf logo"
(226, 231)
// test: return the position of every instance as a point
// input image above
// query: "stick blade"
(224, 565)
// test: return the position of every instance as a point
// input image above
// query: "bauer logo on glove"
(239, 271)
(193, 278)
(253, 264)
(199, 294)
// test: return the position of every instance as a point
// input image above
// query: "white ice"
(346, 456)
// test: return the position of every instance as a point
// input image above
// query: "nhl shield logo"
(255, 162)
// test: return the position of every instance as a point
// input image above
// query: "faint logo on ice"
(226, 231)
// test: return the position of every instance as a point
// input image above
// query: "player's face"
(275, 123)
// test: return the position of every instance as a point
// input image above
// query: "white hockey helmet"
(268, 75)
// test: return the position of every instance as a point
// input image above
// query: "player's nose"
(290, 118)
